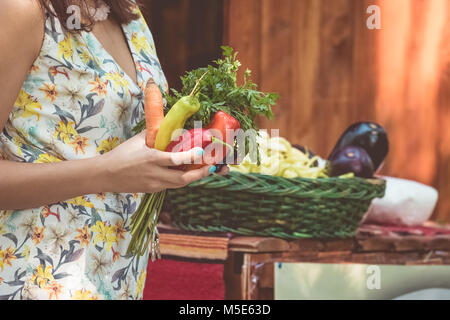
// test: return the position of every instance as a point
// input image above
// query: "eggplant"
(349, 159)
(369, 136)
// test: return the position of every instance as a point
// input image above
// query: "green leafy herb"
(219, 91)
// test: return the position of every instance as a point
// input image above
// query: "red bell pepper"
(221, 123)
(226, 125)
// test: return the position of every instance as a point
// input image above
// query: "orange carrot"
(154, 111)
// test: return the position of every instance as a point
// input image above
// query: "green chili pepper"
(175, 119)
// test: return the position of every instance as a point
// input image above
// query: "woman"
(69, 101)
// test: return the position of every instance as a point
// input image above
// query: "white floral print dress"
(75, 103)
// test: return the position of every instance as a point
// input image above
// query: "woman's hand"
(133, 167)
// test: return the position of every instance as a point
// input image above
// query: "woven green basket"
(262, 205)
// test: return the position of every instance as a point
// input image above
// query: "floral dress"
(76, 103)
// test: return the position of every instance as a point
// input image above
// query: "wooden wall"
(331, 71)
(187, 34)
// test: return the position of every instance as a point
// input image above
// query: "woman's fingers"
(198, 174)
(170, 159)
(182, 178)
(172, 178)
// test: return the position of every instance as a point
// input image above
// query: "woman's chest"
(113, 40)
(78, 94)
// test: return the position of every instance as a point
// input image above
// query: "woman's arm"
(25, 185)
(132, 167)
(21, 37)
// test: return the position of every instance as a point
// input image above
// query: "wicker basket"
(262, 205)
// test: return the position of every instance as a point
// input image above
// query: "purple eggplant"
(349, 159)
(369, 136)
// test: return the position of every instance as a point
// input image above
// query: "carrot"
(154, 111)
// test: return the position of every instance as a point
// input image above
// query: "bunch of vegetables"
(360, 152)
(212, 96)
(158, 136)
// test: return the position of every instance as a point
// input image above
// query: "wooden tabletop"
(358, 244)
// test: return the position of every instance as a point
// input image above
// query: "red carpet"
(177, 280)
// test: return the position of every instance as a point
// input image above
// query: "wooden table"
(249, 270)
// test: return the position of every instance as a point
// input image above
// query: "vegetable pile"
(210, 95)
(279, 158)
(360, 152)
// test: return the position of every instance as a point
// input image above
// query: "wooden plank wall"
(443, 127)
(331, 71)
(187, 34)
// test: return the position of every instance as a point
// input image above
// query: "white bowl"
(406, 203)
